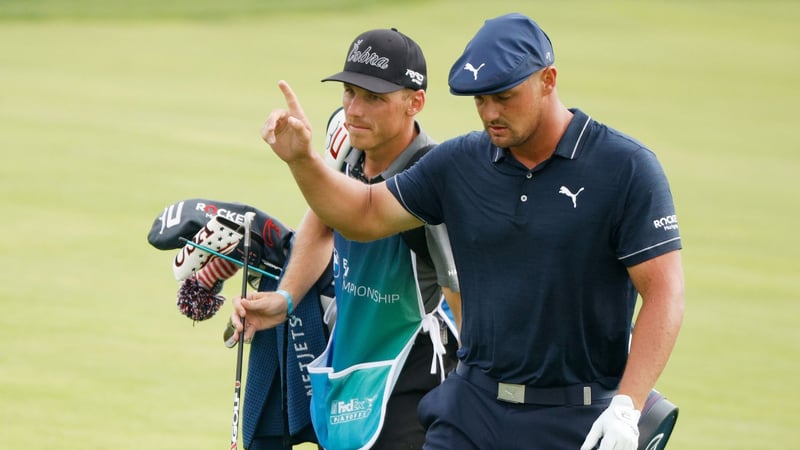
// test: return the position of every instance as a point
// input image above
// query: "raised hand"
(288, 131)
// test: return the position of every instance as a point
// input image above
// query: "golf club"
(248, 219)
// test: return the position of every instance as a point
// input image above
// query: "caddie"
(391, 342)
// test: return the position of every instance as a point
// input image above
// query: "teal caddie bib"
(379, 315)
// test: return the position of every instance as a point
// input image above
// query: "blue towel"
(307, 336)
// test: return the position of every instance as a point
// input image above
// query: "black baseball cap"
(383, 61)
(502, 54)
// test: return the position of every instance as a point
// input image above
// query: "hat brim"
(368, 82)
(489, 90)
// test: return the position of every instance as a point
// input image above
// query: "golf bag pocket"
(348, 407)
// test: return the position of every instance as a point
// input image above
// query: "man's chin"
(359, 142)
(497, 134)
(499, 141)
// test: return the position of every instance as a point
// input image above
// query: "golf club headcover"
(337, 140)
(215, 272)
(658, 419)
(219, 234)
(197, 302)
(198, 296)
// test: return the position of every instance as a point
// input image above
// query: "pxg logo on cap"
(382, 61)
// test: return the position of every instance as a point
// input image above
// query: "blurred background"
(111, 110)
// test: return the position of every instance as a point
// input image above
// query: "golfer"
(557, 224)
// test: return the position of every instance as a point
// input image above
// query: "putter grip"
(248, 221)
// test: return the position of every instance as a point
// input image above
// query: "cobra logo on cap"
(367, 57)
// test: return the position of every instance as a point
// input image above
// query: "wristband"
(289, 304)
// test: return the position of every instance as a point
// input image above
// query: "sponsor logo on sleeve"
(666, 223)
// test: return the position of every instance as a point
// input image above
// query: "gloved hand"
(617, 426)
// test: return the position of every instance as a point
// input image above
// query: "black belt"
(579, 394)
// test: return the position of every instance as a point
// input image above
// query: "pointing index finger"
(295, 110)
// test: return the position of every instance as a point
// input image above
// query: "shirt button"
(523, 198)
(529, 175)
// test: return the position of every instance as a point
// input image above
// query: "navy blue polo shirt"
(542, 254)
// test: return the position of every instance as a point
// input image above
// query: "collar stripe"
(575, 149)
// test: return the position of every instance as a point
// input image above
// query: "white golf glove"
(617, 428)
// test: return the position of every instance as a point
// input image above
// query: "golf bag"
(277, 393)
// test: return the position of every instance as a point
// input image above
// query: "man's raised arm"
(358, 211)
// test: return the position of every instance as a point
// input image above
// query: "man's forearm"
(661, 285)
(311, 254)
(358, 211)
(654, 337)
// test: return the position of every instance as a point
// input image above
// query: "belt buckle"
(512, 393)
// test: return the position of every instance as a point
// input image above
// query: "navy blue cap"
(504, 53)
(382, 61)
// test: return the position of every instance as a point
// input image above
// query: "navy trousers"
(461, 415)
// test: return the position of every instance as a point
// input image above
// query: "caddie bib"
(380, 312)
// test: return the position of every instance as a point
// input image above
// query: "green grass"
(109, 112)
(146, 10)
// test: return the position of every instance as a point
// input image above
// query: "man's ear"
(416, 102)
(548, 78)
